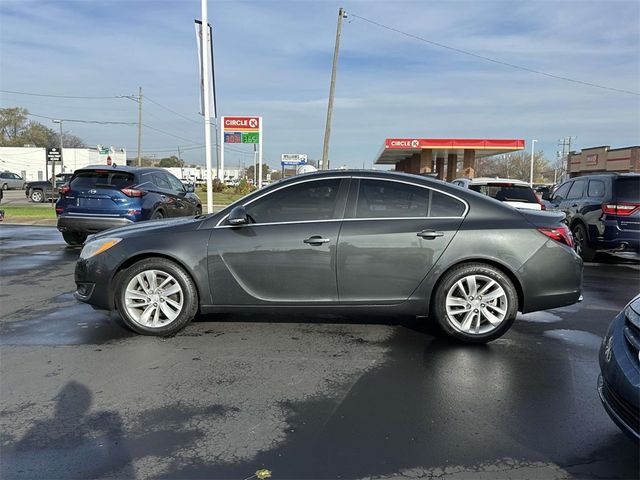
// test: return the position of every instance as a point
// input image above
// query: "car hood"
(150, 225)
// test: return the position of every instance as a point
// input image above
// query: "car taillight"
(59, 210)
(133, 192)
(64, 189)
(560, 234)
(621, 209)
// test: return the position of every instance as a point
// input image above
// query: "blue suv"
(603, 212)
(98, 198)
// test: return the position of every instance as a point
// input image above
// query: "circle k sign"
(235, 124)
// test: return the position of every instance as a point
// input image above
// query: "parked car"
(10, 181)
(98, 198)
(603, 212)
(516, 193)
(339, 241)
(619, 380)
(41, 191)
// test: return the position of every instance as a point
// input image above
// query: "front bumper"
(94, 280)
(90, 224)
(619, 381)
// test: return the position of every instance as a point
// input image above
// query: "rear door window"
(627, 190)
(101, 179)
(577, 190)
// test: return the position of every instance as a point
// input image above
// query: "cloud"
(274, 58)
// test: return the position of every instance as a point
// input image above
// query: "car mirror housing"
(238, 216)
(190, 188)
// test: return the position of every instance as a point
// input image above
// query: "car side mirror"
(190, 188)
(238, 216)
(546, 196)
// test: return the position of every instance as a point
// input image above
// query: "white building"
(29, 162)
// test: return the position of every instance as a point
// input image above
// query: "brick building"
(604, 159)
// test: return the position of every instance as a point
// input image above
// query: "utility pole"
(533, 151)
(205, 42)
(565, 143)
(139, 125)
(332, 87)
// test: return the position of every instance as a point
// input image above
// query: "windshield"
(507, 192)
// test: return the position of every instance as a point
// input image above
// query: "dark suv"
(603, 212)
(98, 198)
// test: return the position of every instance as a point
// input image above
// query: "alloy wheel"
(476, 304)
(154, 298)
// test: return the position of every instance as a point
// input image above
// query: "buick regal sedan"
(339, 241)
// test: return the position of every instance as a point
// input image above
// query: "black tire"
(189, 292)
(157, 215)
(36, 196)
(480, 271)
(5, 186)
(74, 239)
(198, 210)
(581, 243)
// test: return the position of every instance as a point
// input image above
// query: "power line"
(32, 94)
(493, 60)
(168, 133)
(100, 122)
(172, 111)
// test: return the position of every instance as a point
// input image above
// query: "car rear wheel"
(475, 303)
(156, 296)
(74, 238)
(5, 186)
(582, 243)
(37, 196)
(198, 211)
(157, 215)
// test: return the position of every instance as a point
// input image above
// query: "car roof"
(481, 180)
(119, 168)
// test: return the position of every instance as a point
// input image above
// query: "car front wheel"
(156, 296)
(475, 303)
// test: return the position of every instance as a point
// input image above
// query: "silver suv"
(10, 180)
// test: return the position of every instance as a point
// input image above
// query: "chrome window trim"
(276, 190)
(466, 205)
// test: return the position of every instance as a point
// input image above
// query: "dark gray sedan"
(339, 241)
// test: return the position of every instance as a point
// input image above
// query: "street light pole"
(139, 125)
(533, 149)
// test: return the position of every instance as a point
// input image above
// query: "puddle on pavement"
(575, 337)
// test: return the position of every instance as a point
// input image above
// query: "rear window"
(627, 190)
(101, 179)
(507, 193)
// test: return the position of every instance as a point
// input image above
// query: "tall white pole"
(207, 119)
(533, 149)
(260, 154)
(221, 141)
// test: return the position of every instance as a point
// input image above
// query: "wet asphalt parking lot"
(305, 397)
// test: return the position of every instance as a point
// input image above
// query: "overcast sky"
(273, 59)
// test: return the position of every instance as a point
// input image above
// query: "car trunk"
(98, 192)
(626, 196)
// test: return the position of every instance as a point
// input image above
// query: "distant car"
(339, 241)
(603, 212)
(619, 380)
(42, 191)
(516, 193)
(98, 198)
(11, 181)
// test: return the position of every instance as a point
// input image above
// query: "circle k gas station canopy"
(428, 155)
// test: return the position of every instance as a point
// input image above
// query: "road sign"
(54, 155)
(293, 159)
(241, 123)
(250, 137)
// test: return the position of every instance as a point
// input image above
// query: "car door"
(559, 196)
(167, 195)
(572, 206)
(287, 254)
(392, 235)
(185, 206)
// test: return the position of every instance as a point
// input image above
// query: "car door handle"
(430, 234)
(316, 240)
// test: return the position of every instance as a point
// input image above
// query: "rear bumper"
(89, 224)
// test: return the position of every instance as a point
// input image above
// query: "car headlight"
(95, 247)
